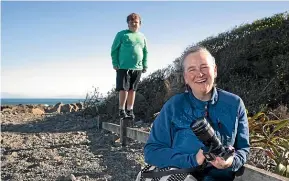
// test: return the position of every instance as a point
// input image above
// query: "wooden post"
(123, 125)
(123, 132)
(131, 124)
(98, 123)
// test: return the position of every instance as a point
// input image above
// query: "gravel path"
(63, 147)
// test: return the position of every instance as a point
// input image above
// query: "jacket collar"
(201, 104)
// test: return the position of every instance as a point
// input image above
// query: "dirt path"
(54, 147)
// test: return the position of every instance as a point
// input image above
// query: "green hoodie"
(129, 50)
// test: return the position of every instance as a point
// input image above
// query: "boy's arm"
(115, 49)
(145, 55)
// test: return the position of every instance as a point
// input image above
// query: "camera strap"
(154, 173)
(207, 154)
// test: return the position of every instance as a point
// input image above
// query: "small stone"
(14, 154)
(260, 166)
(57, 158)
(72, 177)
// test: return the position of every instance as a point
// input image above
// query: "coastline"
(41, 109)
(36, 101)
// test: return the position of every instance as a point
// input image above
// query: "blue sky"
(62, 49)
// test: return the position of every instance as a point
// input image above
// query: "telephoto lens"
(206, 134)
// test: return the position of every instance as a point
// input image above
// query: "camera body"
(206, 134)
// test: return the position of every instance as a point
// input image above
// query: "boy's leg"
(130, 99)
(122, 85)
(123, 95)
(135, 76)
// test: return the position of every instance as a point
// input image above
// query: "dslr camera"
(206, 134)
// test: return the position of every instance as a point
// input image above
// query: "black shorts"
(127, 79)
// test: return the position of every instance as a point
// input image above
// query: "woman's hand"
(220, 163)
(200, 157)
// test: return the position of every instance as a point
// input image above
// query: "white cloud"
(74, 78)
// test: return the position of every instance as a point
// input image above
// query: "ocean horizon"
(48, 101)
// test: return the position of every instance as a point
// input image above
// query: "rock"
(30, 106)
(73, 178)
(14, 154)
(6, 110)
(66, 108)
(79, 105)
(37, 111)
(58, 158)
(57, 107)
(6, 107)
(62, 108)
(75, 108)
(260, 166)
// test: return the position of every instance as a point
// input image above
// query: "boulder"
(37, 111)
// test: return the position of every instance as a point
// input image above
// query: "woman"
(172, 142)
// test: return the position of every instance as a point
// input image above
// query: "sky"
(62, 49)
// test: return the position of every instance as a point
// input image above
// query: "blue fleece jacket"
(172, 142)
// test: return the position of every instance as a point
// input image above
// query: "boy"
(129, 59)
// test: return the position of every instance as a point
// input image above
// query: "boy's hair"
(133, 16)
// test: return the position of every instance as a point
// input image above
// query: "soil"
(63, 147)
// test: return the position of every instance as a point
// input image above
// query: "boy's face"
(134, 25)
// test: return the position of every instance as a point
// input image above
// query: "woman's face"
(200, 72)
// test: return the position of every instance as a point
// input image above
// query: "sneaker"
(130, 114)
(122, 113)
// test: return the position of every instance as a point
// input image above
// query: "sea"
(47, 101)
